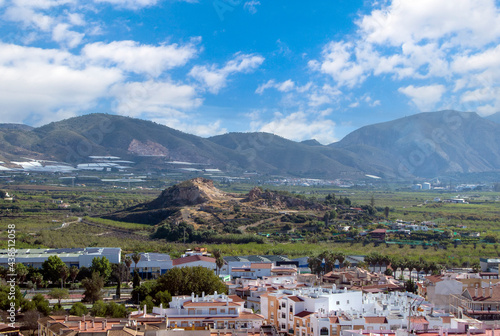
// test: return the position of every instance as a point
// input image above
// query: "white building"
(195, 260)
(152, 265)
(79, 257)
(217, 311)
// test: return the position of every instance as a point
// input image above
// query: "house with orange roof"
(195, 260)
(482, 303)
(217, 311)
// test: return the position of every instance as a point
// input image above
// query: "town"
(245, 295)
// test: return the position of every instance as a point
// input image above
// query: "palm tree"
(340, 256)
(315, 265)
(63, 273)
(73, 273)
(136, 257)
(37, 279)
(329, 258)
(128, 261)
(219, 261)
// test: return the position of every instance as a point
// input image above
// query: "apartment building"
(218, 311)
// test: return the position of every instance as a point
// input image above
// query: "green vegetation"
(464, 232)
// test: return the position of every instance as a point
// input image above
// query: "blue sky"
(300, 70)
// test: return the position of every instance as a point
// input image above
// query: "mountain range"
(422, 145)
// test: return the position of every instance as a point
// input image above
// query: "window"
(324, 331)
(232, 310)
(272, 315)
(283, 326)
(272, 303)
(283, 304)
(223, 310)
(291, 309)
(338, 302)
(283, 315)
(347, 301)
(298, 324)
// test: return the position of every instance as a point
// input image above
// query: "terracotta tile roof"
(419, 320)
(68, 333)
(376, 319)
(284, 269)
(379, 231)
(261, 265)
(236, 298)
(209, 304)
(303, 314)
(334, 320)
(56, 327)
(434, 278)
(446, 319)
(295, 299)
(118, 332)
(185, 260)
(484, 294)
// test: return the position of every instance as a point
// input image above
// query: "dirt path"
(244, 228)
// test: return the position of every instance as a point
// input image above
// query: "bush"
(78, 309)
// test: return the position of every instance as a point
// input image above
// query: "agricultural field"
(71, 217)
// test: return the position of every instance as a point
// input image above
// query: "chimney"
(145, 311)
(79, 325)
(85, 328)
(476, 291)
(66, 318)
(93, 323)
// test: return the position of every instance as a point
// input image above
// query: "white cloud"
(137, 98)
(214, 78)
(48, 83)
(134, 57)
(454, 41)
(339, 63)
(424, 97)
(324, 95)
(299, 126)
(285, 86)
(64, 36)
(354, 105)
(130, 4)
(186, 124)
(251, 6)
(462, 22)
(38, 21)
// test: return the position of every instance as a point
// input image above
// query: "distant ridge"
(23, 127)
(430, 144)
(494, 117)
(421, 145)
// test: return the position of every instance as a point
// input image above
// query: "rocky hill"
(275, 200)
(198, 201)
